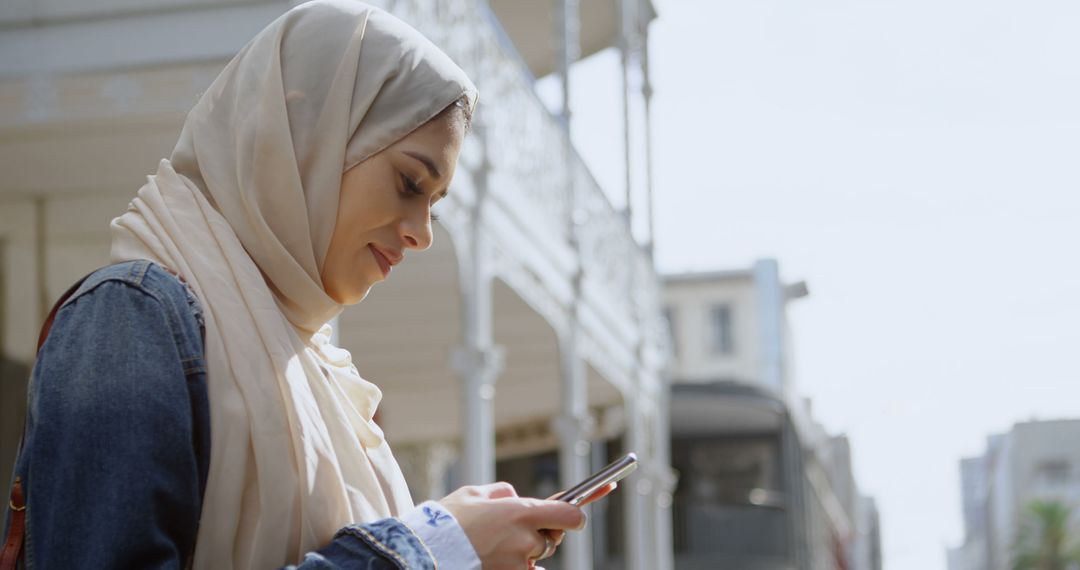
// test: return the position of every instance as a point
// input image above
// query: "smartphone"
(620, 468)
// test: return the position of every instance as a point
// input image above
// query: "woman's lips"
(384, 263)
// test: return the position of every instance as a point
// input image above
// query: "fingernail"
(584, 519)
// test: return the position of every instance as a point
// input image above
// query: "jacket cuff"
(442, 534)
(391, 539)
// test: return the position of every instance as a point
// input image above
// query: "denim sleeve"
(111, 473)
(386, 544)
(112, 460)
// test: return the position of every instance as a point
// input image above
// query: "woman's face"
(385, 207)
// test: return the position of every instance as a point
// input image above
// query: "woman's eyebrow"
(427, 162)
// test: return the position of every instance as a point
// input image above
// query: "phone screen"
(617, 470)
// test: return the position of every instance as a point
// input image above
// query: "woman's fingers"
(600, 493)
(540, 549)
(500, 490)
(557, 536)
(552, 515)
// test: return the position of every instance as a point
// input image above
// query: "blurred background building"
(762, 485)
(1035, 461)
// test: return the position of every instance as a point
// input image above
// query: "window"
(730, 504)
(720, 330)
(1055, 472)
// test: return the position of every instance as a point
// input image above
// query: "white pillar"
(647, 93)
(625, 49)
(573, 423)
(477, 367)
(568, 47)
(636, 490)
(666, 479)
(477, 362)
(573, 427)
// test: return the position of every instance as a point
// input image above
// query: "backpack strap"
(47, 325)
(16, 534)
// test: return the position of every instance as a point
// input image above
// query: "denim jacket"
(117, 441)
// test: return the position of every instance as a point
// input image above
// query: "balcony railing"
(730, 536)
(535, 171)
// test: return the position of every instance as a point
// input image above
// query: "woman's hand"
(558, 535)
(506, 530)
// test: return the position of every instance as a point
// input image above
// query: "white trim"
(163, 39)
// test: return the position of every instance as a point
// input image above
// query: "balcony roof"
(724, 408)
(531, 28)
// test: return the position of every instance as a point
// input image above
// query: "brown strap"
(9, 557)
(47, 326)
(16, 534)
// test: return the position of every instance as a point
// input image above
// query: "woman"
(187, 407)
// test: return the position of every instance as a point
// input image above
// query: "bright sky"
(916, 161)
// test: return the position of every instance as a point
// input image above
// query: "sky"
(916, 162)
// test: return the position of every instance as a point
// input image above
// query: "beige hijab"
(244, 211)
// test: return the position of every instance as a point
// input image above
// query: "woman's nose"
(416, 232)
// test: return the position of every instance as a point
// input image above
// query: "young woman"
(187, 408)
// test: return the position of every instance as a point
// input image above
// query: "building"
(762, 485)
(548, 341)
(1036, 460)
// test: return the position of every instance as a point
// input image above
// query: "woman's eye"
(411, 186)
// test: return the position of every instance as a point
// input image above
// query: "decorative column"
(665, 482)
(637, 550)
(477, 362)
(626, 47)
(647, 93)
(568, 49)
(573, 426)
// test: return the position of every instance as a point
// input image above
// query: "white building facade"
(762, 485)
(1035, 461)
(532, 327)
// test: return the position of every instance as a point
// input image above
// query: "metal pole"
(568, 47)
(573, 428)
(665, 482)
(624, 51)
(637, 488)
(647, 93)
(478, 362)
(572, 423)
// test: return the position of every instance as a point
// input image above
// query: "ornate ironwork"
(535, 172)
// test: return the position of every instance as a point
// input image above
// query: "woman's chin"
(350, 294)
(360, 296)
(355, 296)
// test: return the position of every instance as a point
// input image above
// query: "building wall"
(1031, 466)
(689, 304)
(974, 484)
(827, 524)
(1036, 460)
(74, 240)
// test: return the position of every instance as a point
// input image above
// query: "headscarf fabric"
(244, 211)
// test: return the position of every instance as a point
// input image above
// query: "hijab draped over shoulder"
(244, 211)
